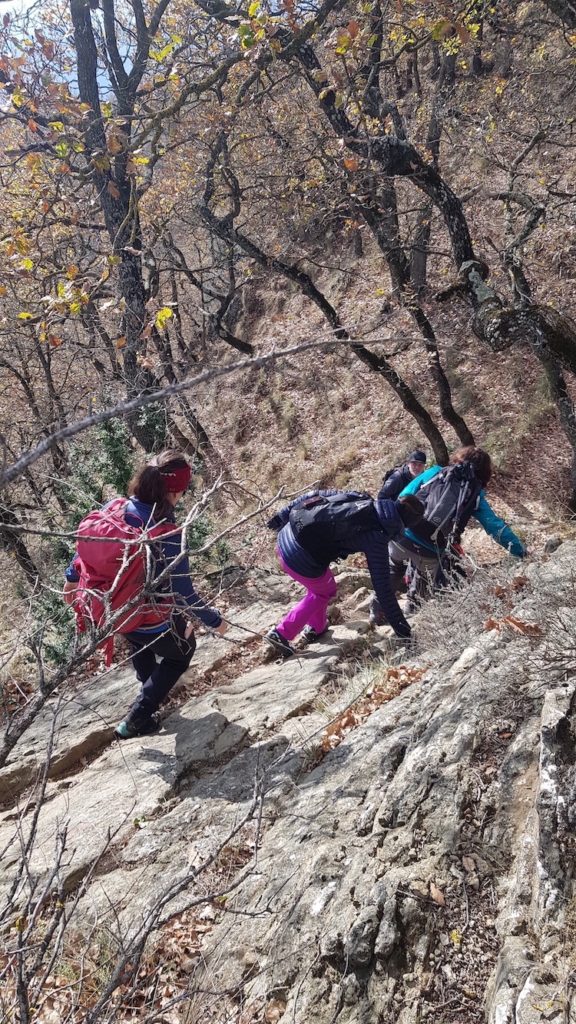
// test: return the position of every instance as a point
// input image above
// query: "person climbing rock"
(451, 495)
(396, 479)
(112, 563)
(321, 527)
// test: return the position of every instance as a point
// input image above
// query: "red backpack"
(114, 566)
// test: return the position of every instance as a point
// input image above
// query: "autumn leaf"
(351, 163)
(437, 895)
(353, 29)
(54, 340)
(120, 342)
(519, 582)
(163, 316)
(526, 628)
(116, 143)
(491, 624)
(24, 316)
(274, 1010)
(72, 271)
(113, 190)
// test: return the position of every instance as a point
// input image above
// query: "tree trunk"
(419, 253)
(11, 539)
(381, 217)
(566, 411)
(379, 364)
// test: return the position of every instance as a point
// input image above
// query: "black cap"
(417, 456)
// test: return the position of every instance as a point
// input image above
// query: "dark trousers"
(158, 677)
(421, 567)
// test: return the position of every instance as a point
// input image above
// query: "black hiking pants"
(158, 677)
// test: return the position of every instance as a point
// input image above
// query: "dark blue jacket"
(373, 543)
(393, 486)
(137, 512)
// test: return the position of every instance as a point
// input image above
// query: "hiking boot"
(280, 645)
(130, 728)
(310, 635)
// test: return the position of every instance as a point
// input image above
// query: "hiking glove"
(276, 523)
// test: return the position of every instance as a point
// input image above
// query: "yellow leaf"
(24, 316)
(27, 264)
(163, 316)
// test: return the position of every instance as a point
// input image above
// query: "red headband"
(177, 479)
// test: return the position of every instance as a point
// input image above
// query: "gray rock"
(429, 851)
(552, 544)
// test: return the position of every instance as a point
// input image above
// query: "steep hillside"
(351, 836)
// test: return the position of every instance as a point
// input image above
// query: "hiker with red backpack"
(131, 570)
(322, 527)
(451, 496)
(396, 479)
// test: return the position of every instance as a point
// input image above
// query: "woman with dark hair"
(154, 492)
(424, 547)
(322, 527)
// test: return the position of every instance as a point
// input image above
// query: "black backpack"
(449, 500)
(323, 525)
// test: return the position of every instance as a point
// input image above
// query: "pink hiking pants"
(312, 609)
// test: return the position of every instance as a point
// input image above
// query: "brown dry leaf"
(437, 895)
(499, 591)
(274, 1010)
(351, 163)
(519, 582)
(113, 190)
(491, 624)
(469, 864)
(526, 628)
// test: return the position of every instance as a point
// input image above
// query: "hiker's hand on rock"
(222, 628)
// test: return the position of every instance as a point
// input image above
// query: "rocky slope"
(404, 856)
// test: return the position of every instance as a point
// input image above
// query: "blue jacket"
(484, 514)
(393, 486)
(181, 586)
(373, 543)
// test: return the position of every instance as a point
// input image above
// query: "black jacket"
(393, 485)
